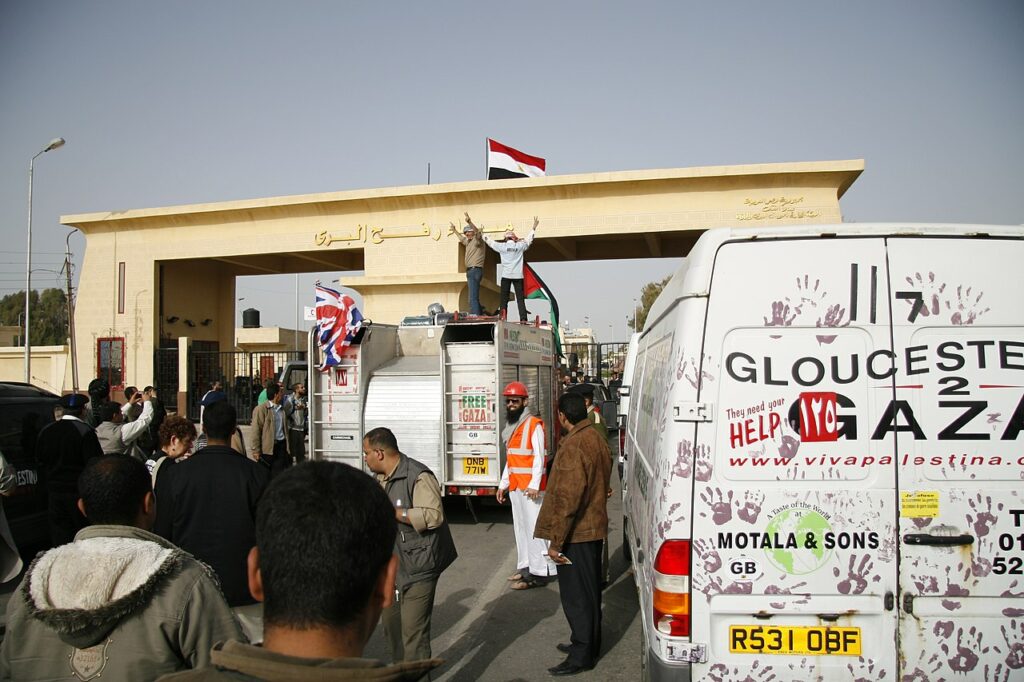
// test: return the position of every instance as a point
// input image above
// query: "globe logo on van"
(808, 529)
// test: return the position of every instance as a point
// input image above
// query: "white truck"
(438, 388)
(824, 457)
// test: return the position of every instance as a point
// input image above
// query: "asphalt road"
(485, 631)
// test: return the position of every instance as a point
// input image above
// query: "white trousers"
(531, 553)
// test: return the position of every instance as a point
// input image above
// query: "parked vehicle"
(24, 411)
(624, 393)
(824, 456)
(438, 388)
(293, 372)
(606, 404)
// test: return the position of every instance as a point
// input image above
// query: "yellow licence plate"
(474, 466)
(802, 640)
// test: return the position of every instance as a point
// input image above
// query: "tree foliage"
(49, 315)
(648, 295)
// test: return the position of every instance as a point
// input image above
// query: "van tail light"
(622, 439)
(672, 588)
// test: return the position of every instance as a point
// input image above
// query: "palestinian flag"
(534, 287)
(504, 162)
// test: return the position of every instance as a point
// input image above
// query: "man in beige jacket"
(270, 431)
(476, 254)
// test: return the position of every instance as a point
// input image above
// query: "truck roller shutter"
(411, 407)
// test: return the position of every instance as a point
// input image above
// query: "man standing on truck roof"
(574, 518)
(512, 250)
(475, 253)
(525, 476)
(424, 543)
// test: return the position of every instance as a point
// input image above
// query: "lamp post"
(71, 313)
(55, 143)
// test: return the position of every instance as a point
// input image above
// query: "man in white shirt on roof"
(511, 251)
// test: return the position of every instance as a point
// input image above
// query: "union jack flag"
(337, 321)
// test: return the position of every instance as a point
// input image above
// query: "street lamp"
(55, 143)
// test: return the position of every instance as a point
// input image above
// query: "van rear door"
(959, 422)
(794, 525)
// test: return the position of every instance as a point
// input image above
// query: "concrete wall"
(51, 367)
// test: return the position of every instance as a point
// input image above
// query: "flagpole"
(487, 149)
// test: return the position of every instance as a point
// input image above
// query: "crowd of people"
(224, 562)
(182, 553)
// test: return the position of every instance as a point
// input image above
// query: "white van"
(825, 455)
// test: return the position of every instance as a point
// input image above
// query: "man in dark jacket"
(324, 568)
(574, 518)
(99, 393)
(424, 544)
(62, 450)
(118, 603)
(207, 506)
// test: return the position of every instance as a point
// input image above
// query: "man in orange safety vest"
(525, 478)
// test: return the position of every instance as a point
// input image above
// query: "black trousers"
(64, 518)
(579, 586)
(279, 461)
(506, 283)
(297, 445)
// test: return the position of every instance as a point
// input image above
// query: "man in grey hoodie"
(118, 601)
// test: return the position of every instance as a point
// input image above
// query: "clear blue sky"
(182, 102)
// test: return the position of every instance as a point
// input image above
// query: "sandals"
(515, 577)
(527, 583)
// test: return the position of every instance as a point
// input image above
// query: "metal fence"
(242, 373)
(165, 375)
(597, 360)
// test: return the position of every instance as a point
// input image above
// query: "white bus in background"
(825, 455)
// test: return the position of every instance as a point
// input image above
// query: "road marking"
(481, 605)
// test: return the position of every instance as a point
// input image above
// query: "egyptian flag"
(504, 162)
(534, 287)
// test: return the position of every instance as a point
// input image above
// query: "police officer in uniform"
(62, 449)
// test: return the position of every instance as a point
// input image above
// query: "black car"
(24, 411)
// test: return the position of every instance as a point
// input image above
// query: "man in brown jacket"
(574, 518)
(476, 253)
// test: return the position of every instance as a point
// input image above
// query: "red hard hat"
(516, 389)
